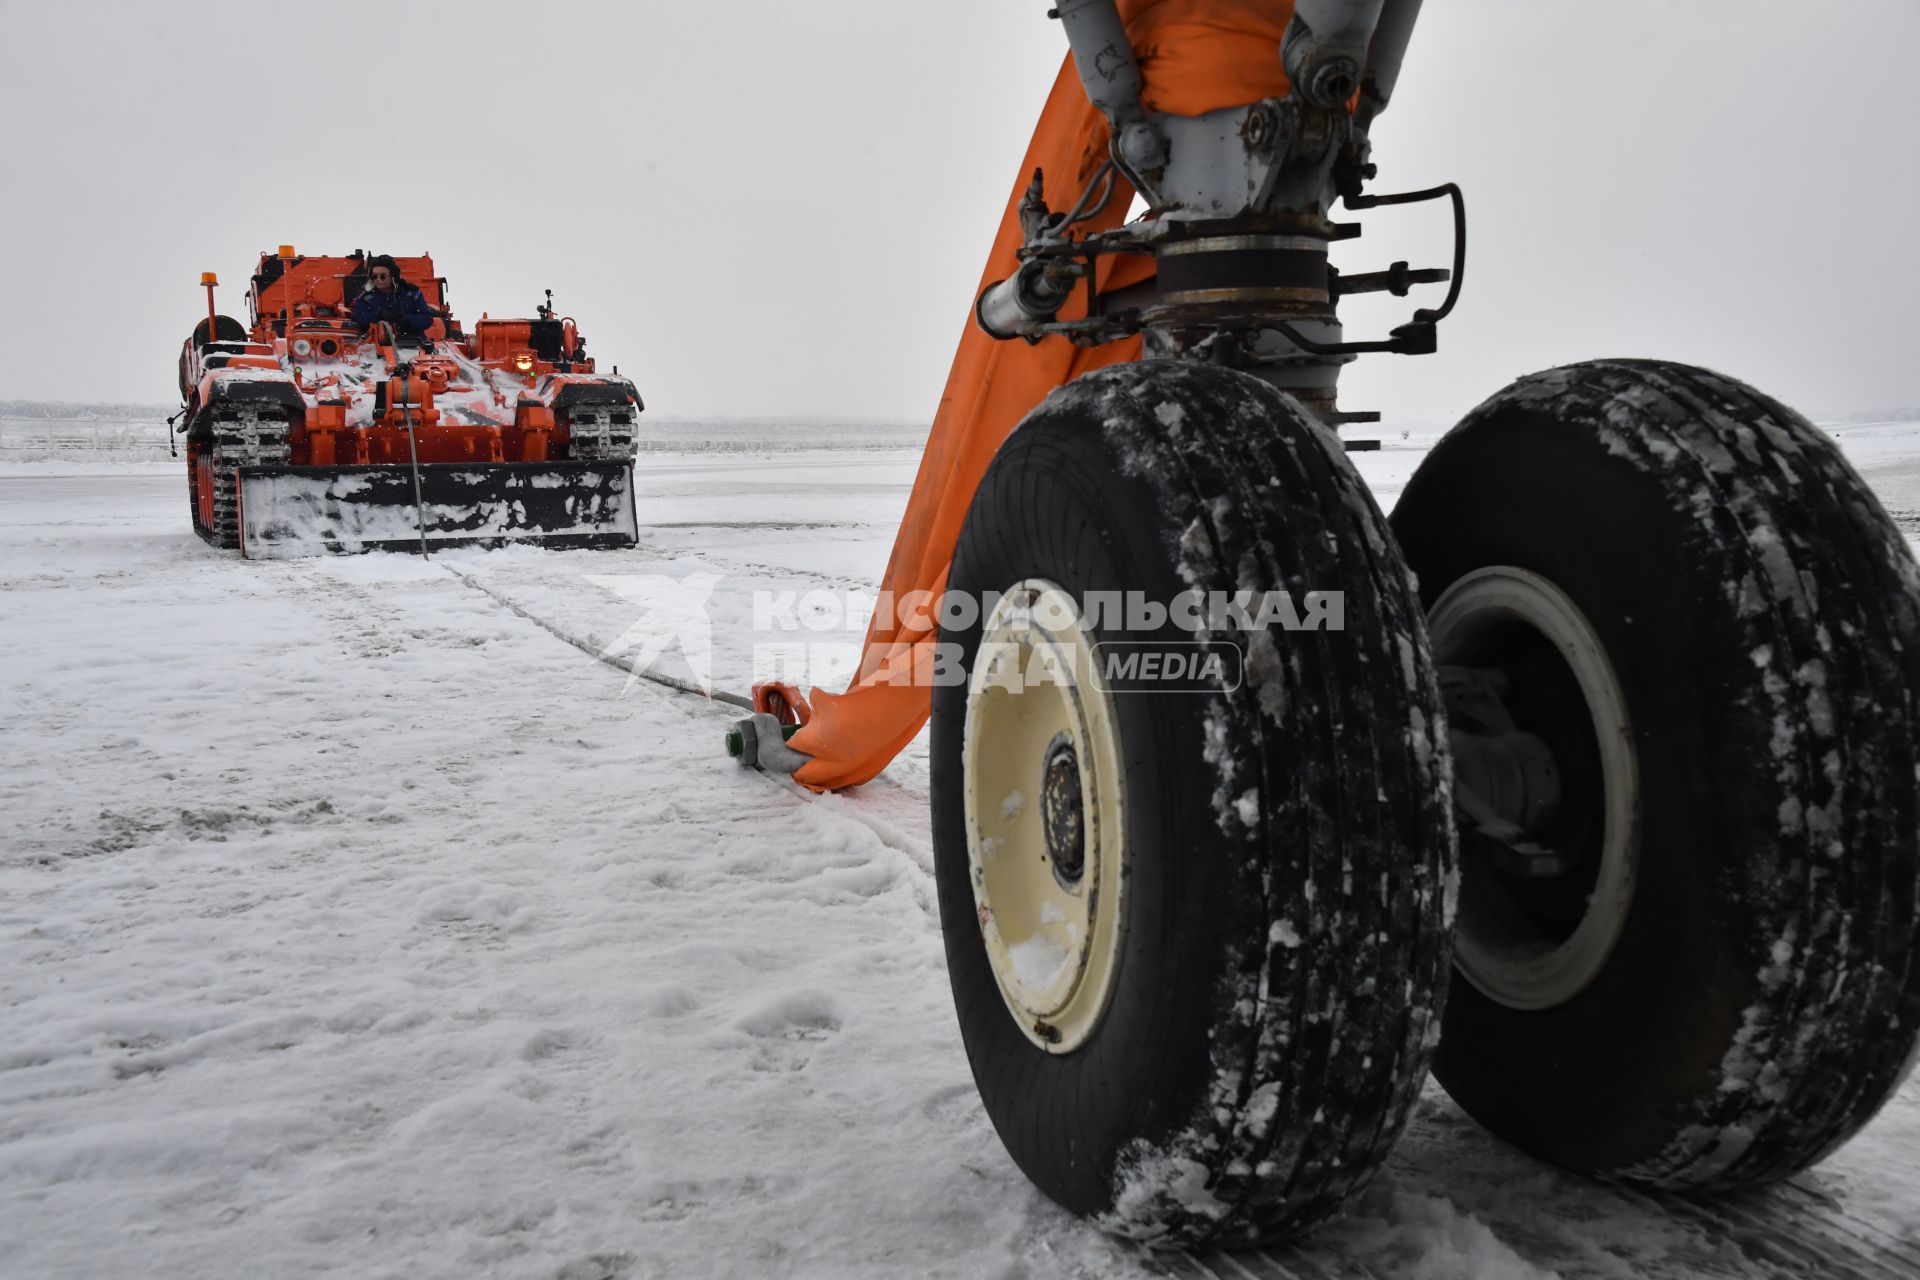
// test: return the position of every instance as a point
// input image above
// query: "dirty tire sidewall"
(1277, 988)
(1759, 609)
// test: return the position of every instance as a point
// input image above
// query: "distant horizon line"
(161, 410)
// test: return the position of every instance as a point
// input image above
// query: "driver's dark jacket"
(405, 309)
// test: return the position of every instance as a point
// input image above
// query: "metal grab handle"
(1450, 191)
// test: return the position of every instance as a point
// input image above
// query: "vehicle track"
(1576, 1227)
(1735, 1240)
(597, 652)
(1811, 1233)
(881, 805)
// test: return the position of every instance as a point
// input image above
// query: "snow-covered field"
(353, 923)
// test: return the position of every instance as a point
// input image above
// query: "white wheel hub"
(1045, 816)
(1501, 947)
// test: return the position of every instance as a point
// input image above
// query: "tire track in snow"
(1778, 1227)
(599, 654)
(889, 833)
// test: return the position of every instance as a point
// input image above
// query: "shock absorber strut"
(1239, 204)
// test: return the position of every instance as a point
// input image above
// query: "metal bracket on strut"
(1052, 266)
(1217, 184)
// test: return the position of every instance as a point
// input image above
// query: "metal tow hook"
(760, 742)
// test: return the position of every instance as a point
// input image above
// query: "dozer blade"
(287, 512)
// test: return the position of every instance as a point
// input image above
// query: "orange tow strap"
(1196, 56)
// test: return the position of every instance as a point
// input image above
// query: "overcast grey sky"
(765, 208)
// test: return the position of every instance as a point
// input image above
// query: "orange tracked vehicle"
(310, 434)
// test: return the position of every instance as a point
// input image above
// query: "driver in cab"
(391, 299)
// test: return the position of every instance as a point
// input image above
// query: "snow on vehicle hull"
(293, 512)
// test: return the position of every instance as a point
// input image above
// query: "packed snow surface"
(352, 923)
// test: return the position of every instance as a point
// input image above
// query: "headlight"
(301, 346)
(523, 362)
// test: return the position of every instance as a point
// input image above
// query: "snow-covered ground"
(352, 923)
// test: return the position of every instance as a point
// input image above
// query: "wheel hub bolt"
(1061, 813)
